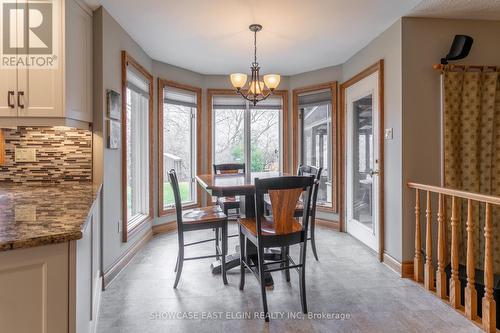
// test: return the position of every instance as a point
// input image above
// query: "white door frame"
(379, 210)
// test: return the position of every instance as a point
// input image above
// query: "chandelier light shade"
(257, 89)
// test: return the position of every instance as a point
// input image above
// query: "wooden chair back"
(228, 168)
(172, 176)
(284, 193)
(309, 170)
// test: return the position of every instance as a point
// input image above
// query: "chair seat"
(267, 226)
(203, 215)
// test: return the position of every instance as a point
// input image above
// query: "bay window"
(137, 112)
(179, 132)
(249, 134)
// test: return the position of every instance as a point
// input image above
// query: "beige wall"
(111, 40)
(425, 42)
(409, 48)
(387, 46)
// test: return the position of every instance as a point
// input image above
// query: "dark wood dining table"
(242, 185)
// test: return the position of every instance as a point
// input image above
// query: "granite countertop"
(34, 215)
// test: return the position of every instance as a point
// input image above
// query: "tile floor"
(348, 281)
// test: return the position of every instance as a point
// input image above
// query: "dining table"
(242, 185)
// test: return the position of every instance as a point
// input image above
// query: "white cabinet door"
(34, 289)
(40, 90)
(79, 62)
(40, 93)
(8, 88)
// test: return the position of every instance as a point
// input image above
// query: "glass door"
(362, 156)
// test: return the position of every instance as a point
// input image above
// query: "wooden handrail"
(438, 282)
(457, 193)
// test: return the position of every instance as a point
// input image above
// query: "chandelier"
(257, 89)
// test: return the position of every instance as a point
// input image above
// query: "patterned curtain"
(472, 149)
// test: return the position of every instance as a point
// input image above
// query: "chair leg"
(180, 262)
(313, 240)
(287, 263)
(216, 243)
(176, 263)
(262, 282)
(224, 252)
(302, 277)
(242, 259)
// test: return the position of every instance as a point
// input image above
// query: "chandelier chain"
(255, 47)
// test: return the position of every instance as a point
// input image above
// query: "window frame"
(333, 86)
(128, 231)
(284, 139)
(162, 84)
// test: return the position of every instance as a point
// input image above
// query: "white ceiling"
(212, 36)
(460, 9)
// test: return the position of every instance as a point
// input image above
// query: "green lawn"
(168, 194)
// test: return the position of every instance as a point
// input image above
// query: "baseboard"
(328, 224)
(404, 270)
(392, 263)
(164, 228)
(124, 259)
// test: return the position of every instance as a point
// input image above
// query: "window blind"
(315, 98)
(271, 103)
(228, 102)
(137, 82)
(238, 102)
(180, 97)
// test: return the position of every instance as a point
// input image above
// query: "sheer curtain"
(472, 148)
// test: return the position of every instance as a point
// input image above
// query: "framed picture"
(113, 104)
(114, 133)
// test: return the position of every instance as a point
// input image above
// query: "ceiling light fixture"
(257, 90)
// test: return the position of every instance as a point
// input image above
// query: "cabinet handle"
(19, 94)
(9, 100)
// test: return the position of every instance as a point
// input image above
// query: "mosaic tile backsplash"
(63, 155)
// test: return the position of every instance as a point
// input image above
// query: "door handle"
(9, 99)
(374, 172)
(19, 94)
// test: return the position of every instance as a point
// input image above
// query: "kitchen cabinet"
(54, 288)
(53, 88)
(86, 285)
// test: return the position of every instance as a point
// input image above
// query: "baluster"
(454, 281)
(428, 270)
(440, 273)
(489, 305)
(470, 289)
(417, 261)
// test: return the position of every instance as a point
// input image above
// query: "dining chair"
(232, 202)
(281, 229)
(305, 170)
(211, 217)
